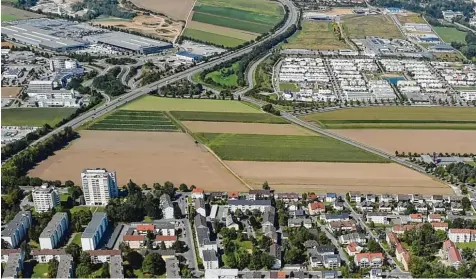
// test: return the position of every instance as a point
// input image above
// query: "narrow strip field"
(129, 120)
(241, 147)
(246, 128)
(153, 103)
(217, 39)
(228, 117)
(34, 117)
(337, 177)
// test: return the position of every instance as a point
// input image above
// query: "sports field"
(152, 103)
(340, 178)
(34, 117)
(144, 157)
(316, 36)
(450, 34)
(357, 26)
(228, 117)
(245, 147)
(11, 14)
(247, 128)
(397, 118)
(217, 39)
(130, 120)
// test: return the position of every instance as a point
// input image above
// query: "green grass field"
(91, 208)
(152, 103)
(450, 34)
(471, 245)
(225, 77)
(213, 38)
(257, 6)
(77, 238)
(40, 271)
(10, 13)
(357, 26)
(34, 117)
(397, 118)
(129, 120)
(228, 117)
(268, 19)
(289, 86)
(316, 36)
(231, 22)
(241, 147)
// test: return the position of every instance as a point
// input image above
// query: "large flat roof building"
(94, 232)
(15, 231)
(45, 198)
(54, 232)
(130, 42)
(39, 37)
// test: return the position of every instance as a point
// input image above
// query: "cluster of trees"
(460, 223)
(428, 267)
(468, 48)
(294, 250)
(238, 257)
(11, 203)
(270, 109)
(180, 88)
(151, 264)
(14, 170)
(424, 240)
(121, 61)
(38, 224)
(461, 172)
(136, 205)
(263, 73)
(13, 148)
(132, 72)
(105, 7)
(109, 83)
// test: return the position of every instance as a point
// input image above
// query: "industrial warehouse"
(66, 36)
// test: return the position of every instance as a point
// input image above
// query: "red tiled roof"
(48, 252)
(416, 216)
(393, 238)
(311, 196)
(146, 227)
(166, 237)
(281, 274)
(352, 247)
(434, 216)
(447, 244)
(198, 190)
(466, 231)
(318, 205)
(10, 251)
(369, 256)
(439, 225)
(103, 252)
(130, 237)
(233, 194)
(406, 256)
(454, 255)
(400, 248)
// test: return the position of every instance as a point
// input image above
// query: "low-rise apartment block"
(55, 231)
(13, 260)
(94, 232)
(15, 231)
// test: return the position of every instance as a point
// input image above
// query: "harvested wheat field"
(246, 128)
(10, 92)
(144, 157)
(420, 141)
(337, 177)
(177, 9)
(339, 11)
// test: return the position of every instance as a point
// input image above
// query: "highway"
(144, 90)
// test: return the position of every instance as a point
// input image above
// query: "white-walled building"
(54, 232)
(99, 185)
(244, 205)
(167, 206)
(15, 231)
(210, 259)
(45, 198)
(62, 62)
(462, 235)
(94, 232)
(40, 85)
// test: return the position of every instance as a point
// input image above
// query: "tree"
(373, 246)
(52, 268)
(83, 271)
(183, 187)
(135, 259)
(105, 270)
(266, 186)
(162, 245)
(185, 272)
(153, 264)
(467, 253)
(149, 239)
(466, 203)
(75, 251)
(85, 259)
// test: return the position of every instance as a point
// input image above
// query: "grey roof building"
(269, 216)
(172, 268)
(116, 270)
(165, 201)
(65, 266)
(54, 231)
(200, 221)
(130, 42)
(325, 250)
(14, 264)
(249, 202)
(203, 235)
(209, 255)
(94, 232)
(15, 231)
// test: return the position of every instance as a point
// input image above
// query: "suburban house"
(440, 226)
(416, 218)
(331, 197)
(259, 194)
(275, 251)
(233, 195)
(377, 218)
(210, 259)
(167, 206)
(372, 260)
(385, 207)
(434, 218)
(366, 206)
(352, 237)
(244, 205)
(356, 197)
(342, 226)
(439, 207)
(335, 217)
(386, 198)
(287, 197)
(103, 256)
(353, 248)
(338, 205)
(451, 253)
(316, 208)
(200, 207)
(298, 222)
(462, 235)
(198, 193)
(402, 256)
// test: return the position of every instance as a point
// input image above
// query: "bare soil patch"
(339, 11)
(421, 141)
(177, 9)
(144, 157)
(156, 26)
(337, 177)
(246, 128)
(10, 92)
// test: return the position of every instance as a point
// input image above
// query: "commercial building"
(129, 42)
(94, 232)
(13, 260)
(40, 38)
(99, 185)
(12, 73)
(61, 62)
(40, 85)
(15, 231)
(188, 56)
(45, 198)
(65, 267)
(54, 232)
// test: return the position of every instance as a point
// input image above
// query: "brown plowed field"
(144, 157)
(420, 141)
(337, 177)
(246, 128)
(10, 92)
(177, 9)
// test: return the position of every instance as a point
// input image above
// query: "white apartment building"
(15, 231)
(462, 235)
(54, 232)
(62, 62)
(40, 85)
(45, 198)
(99, 185)
(94, 232)
(468, 95)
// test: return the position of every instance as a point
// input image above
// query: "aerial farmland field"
(316, 36)
(357, 26)
(10, 14)
(450, 34)
(228, 117)
(152, 103)
(177, 9)
(129, 120)
(34, 117)
(246, 128)
(213, 38)
(410, 18)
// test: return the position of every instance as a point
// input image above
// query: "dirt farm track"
(421, 141)
(337, 177)
(144, 157)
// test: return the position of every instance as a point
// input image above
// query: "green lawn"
(241, 15)
(471, 245)
(129, 120)
(40, 271)
(289, 86)
(64, 197)
(91, 208)
(34, 117)
(316, 36)
(225, 77)
(397, 118)
(450, 34)
(213, 38)
(228, 117)
(231, 22)
(10, 13)
(152, 103)
(77, 239)
(359, 26)
(241, 147)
